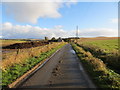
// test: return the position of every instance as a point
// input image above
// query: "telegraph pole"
(77, 30)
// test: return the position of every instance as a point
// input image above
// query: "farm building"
(60, 40)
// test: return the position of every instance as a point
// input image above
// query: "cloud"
(58, 27)
(114, 20)
(31, 11)
(0, 36)
(71, 2)
(10, 31)
(94, 32)
(7, 25)
(27, 31)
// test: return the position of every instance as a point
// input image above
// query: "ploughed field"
(25, 45)
(14, 44)
(4, 42)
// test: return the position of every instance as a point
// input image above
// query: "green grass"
(13, 72)
(108, 45)
(102, 76)
(106, 50)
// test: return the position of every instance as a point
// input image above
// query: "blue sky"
(90, 16)
(85, 15)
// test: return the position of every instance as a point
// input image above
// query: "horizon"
(55, 38)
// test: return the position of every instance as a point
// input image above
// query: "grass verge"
(101, 75)
(111, 59)
(17, 70)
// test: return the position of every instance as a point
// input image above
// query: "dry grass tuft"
(19, 57)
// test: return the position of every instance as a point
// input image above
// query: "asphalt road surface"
(63, 70)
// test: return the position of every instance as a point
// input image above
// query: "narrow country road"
(63, 70)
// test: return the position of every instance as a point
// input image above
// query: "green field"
(106, 49)
(108, 45)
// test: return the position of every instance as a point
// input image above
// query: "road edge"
(87, 77)
(29, 73)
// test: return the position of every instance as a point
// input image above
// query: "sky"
(58, 19)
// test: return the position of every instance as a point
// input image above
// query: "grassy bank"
(21, 55)
(12, 72)
(101, 75)
(106, 50)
